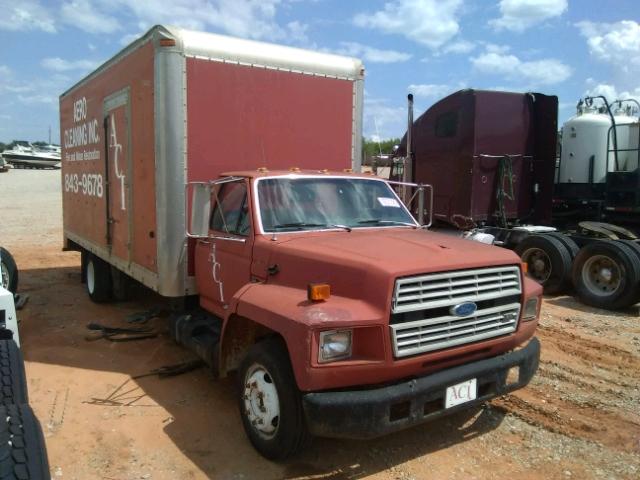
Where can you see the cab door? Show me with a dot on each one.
(223, 261)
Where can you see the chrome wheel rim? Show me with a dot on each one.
(91, 277)
(4, 271)
(261, 402)
(602, 275)
(538, 262)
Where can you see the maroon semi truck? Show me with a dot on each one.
(221, 169)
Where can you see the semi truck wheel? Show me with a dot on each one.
(269, 401)
(548, 261)
(98, 279)
(23, 454)
(571, 246)
(606, 274)
(9, 271)
(13, 389)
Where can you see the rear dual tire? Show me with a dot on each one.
(548, 259)
(97, 275)
(104, 282)
(606, 274)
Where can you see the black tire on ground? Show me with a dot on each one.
(120, 285)
(23, 455)
(635, 246)
(548, 261)
(606, 274)
(266, 369)
(9, 271)
(13, 390)
(98, 279)
(567, 241)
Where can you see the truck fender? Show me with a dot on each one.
(257, 312)
(263, 309)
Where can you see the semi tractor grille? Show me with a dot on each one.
(421, 308)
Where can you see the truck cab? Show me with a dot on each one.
(342, 316)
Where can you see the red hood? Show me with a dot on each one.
(365, 263)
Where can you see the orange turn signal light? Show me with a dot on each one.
(525, 267)
(318, 291)
(167, 42)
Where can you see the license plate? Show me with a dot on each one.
(461, 393)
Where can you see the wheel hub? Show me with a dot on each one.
(602, 275)
(261, 403)
(539, 263)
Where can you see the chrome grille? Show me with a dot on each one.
(448, 288)
(436, 329)
(442, 332)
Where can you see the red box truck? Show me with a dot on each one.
(210, 166)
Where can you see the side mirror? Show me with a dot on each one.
(198, 222)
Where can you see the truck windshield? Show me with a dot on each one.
(311, 203)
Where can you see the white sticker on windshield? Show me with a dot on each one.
(388, 202)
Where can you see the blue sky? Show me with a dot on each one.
(428, 47)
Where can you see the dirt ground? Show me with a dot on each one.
(579, 418)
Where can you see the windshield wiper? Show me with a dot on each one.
(378, 221)
(301, 225)
(298, 225)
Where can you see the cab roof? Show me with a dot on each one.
(262, 173)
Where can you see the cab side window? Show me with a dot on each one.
(231, 211)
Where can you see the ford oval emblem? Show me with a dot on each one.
(463, 309)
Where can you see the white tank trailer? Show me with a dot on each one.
(598, 174)
(588, 150)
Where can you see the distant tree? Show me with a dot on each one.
(371, 147)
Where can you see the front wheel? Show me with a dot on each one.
(9, 271)
(269, 401)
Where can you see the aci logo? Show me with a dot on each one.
(463, 309)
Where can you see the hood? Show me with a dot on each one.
(365, 263)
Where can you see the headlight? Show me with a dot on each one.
(334, 345)
(530, 308)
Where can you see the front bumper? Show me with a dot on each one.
(361, 414)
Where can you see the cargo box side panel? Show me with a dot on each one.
(108, 171)
(243, 117)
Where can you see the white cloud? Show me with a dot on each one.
(370, 54)
(428, 22)
(460, 46)
(383, 120)
(496, 61)
(88, 16)
(431, 90)
(297, 32)
(519, 15)
(248, 18)
(617, 43)
(61, 65)
(25, 15)
(610, 92)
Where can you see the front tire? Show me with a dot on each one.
(97, 276)
(9, 271)
(269, 401)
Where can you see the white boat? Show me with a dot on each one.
(30, 156)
